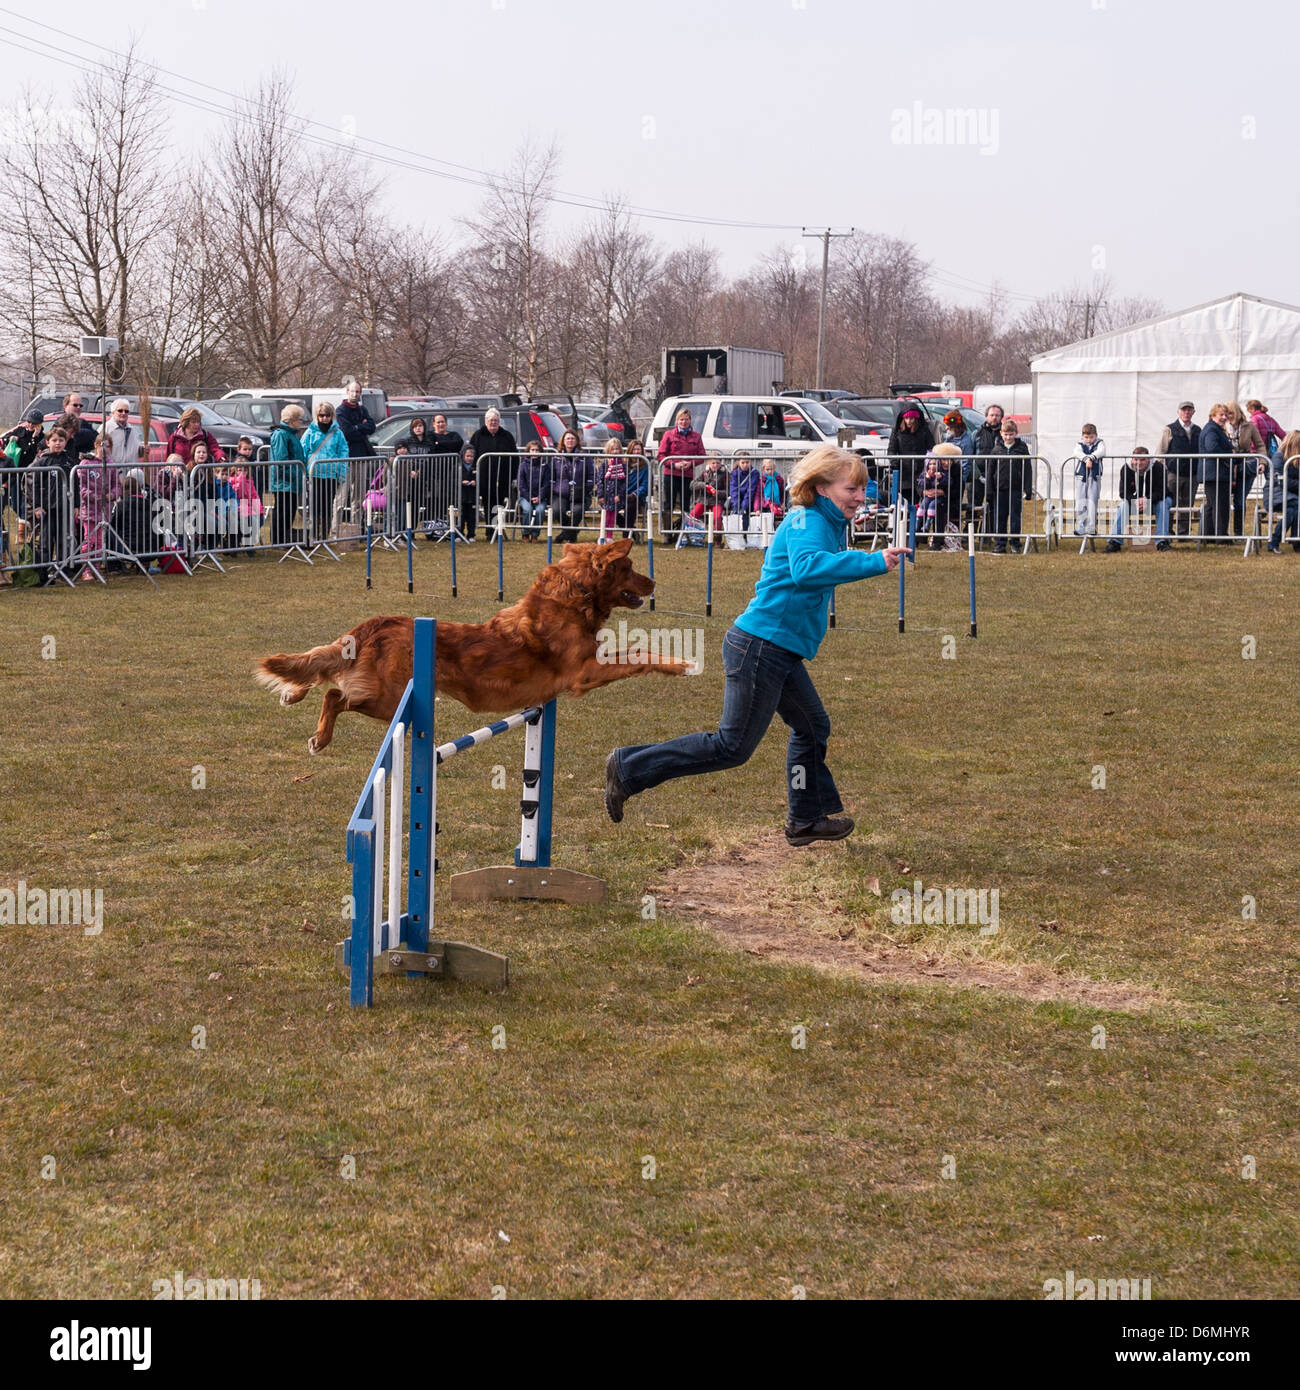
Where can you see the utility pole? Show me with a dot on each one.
(1091, 308)
(825, 238)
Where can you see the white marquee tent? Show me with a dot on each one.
(1129, 383)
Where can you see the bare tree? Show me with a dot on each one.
(618, 265)
(430, 326)
(272, 291)
(512, 270)
(85, 190)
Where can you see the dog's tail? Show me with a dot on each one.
(291, 676)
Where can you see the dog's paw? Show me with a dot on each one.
(311, 745)
(286, 697)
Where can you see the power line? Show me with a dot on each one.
(400, 157)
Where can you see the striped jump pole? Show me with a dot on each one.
(550, 531)
(369, 524)
(451, 537)
(386, 940)
(900, 538)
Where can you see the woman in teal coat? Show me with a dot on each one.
(287, 460)
(326, 449)
(764, 652)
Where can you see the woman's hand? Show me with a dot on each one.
(893, 556)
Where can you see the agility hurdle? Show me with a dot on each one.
(384, 938)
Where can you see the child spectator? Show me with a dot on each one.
(708, 491)
(133, 513)
(468, 492)
(742, 490)
(1144, 487)
(245, 491)
(573, 479)
(534, 483)
(771, 492)
(638, 479)
(1088, 453)
(98, 488)
(611, 489)
(1009, 483)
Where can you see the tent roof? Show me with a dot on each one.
(1235, 333)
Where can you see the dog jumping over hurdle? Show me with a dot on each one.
(543, 646)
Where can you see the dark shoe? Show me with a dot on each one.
(1162, 545)
(1113, 546)
(828, 828)
(615, 793)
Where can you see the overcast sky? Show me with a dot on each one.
(1154, 138)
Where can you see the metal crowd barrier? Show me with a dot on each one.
(36, 515)
(1235, 504)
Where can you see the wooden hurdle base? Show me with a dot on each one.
(445, 960)
(519, 881)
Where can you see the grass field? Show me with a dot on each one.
(952, 1129)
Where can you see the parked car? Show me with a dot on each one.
(822, 394)
(400, 403)
(472, 402)
(309, 397)
(525, 422)
(754, 425)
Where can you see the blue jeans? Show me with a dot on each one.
(762, 680)
(1123, 510)
(1289, 517)
(531, 515)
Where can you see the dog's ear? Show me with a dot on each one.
(616, 550)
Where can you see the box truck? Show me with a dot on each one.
(720, 371)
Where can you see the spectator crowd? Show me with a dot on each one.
(78, 496)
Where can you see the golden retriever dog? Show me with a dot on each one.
(543, 646)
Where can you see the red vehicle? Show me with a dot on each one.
(158, 432)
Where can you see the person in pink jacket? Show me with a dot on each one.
(680, 449)
(250, 502)
(99, 487)
(1268, 427)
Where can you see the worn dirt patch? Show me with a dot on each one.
(738, 897)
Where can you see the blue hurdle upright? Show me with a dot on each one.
(387, 940)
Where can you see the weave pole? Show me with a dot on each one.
(501, 540)
(971, 537)
(550, 531)
(650, 548)
(708, 572)
(410, 553)
(451, 537)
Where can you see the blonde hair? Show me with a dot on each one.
(325, 409)
(291, 415)
(1291, 446)
(1214, 410)
(613, 446)
(1236, 414)
(825, 464)
(189, 417)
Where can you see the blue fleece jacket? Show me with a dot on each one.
(804, 563)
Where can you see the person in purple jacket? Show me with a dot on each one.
(573, 478)
(534, 481)
(742, 491)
